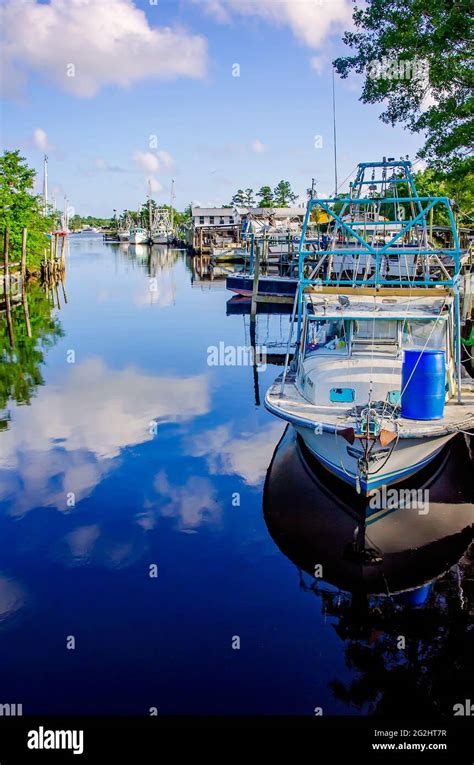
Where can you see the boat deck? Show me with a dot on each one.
(293, 407)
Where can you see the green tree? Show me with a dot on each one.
(249, 198)
(265, 196)
(283, 195)
(20, 208)
(416, 57)
(238, 200)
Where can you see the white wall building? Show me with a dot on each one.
(214, 216)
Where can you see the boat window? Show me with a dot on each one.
(415, 334)
(378, 329)
(326, 337)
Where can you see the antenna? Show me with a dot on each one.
(334, 131)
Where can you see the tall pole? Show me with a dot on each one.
(172, 200)
(150, 224)
(45, 184)
(334, 131)
(65, 214)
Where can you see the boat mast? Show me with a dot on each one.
(65, 214)
(149, 208)
(45, 185)
(172, 200)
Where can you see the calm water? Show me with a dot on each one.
(121, 449)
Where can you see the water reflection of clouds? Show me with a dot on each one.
(12, 597)
(70, 436)
(113, 544)
(162, 294)
(192, 503)
(247, 455)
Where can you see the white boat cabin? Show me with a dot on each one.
(352, 348)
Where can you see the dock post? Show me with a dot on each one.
(23, 255)
(6, 287)
(24, 296)
(253, 322)
(256, 274)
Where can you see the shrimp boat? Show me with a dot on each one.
(376, 386)
(139, 235)
(161, 226)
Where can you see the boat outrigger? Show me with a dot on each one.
(376, 386)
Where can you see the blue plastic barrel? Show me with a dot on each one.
(423, 383)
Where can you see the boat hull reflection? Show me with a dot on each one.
(321, 525)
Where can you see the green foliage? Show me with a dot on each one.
(437, 34)
(265, 196)
(283, 195)
(238, 200)
(79, 221)
(20, 208)
(20, 366)
(249, 198)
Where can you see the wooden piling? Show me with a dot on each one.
(24, 295)
(6, 287)
(256, 275)
(24, 234)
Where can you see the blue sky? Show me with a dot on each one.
(144, 103)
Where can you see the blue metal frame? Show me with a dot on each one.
(389, 248)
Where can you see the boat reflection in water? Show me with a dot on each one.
(399, 588)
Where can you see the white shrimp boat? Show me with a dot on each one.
(161, 226)
(376, 386)
(139, 235)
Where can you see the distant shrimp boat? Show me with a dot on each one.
(161, 225)
(139, 235)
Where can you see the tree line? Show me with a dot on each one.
(20, 208)
(281, 196)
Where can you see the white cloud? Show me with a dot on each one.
(167, 161)
(311, 21)
(40, 139)
(257, 146)
(147, 160)
(84, 45)
(92, 414)
(317, 63)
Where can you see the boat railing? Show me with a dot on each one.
(350, 251)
